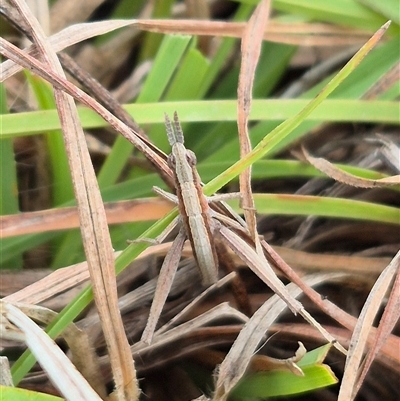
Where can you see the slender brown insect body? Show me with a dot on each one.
(199, 226)
(193, 205)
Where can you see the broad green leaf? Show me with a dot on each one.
(278, 383)
(20, 394)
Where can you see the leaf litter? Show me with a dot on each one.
(232, 370)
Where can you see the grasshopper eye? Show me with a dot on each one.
(191, 157)
(171, 162)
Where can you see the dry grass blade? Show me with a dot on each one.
(94, 229)
(308, 244)
(325, 305)
(390, 150)
(155, 157)
(264, 363)
(57, 282)
(251, 49)
(61, 280)
(164, 284)
(384, 83)
(260, 266)
(67, 217)
(296, 34)
(362, 330)
(84, 356)
(98, 91)
(58, 367)
(236, 362)
(65, 38)
(5, 373)
(186, 310)
(160, 339)
(311, 261)
(387, 323)
(339, 175)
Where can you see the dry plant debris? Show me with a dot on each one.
(237, 327)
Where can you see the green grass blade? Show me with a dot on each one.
(62, 190)
(8, 188)
(8, 172)
(390, 9)
(284, 129)
(225, 48)
(267, 169)
(165, 63)
(194, 65)
(340, 12)
(285, 204)
(23, 365)
(192, 69)
(168, 58)
(140, 187)
(372, 68)
(331, 110)
(152, 41)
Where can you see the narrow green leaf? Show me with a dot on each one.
(285, 204)
(284, 129)
(390, 9)
(227, 45)
(152, 41)
(23, 365)
(8, 188)
(62, 190)
(192, 69)
(165, 63)
(8, 172)
(341, 12)
(372, 68)
(331, 110)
